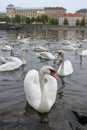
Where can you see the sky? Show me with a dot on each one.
(70, 5)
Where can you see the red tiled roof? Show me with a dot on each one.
(72, 15)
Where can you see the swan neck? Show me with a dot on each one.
(41, 80)
(44, 100)
(62, 58)
(22, 58)
(62, 64)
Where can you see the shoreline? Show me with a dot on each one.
(40, 27)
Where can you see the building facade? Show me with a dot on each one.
(52, 12)
(2, 16)
(84, 12)
(72, 18)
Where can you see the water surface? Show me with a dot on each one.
(73, 93)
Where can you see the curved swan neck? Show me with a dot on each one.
(62, 58)
(81, 50)
(22, 58)
(41, 79)
(62, 64)
(44, 100)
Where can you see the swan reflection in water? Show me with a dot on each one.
(62, 85)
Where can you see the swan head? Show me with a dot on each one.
(23, 50)
(48, 70)
(12, 44)
(61, 53)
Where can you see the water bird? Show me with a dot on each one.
(65, 67)
(41, 88)
(6, 47)
(12, 63)
(47, 55)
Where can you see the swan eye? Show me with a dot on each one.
(53, 73)
(60, 53)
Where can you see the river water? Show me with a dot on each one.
(15, 113)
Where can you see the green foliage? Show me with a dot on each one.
(53, 21)
(7, 19)
(83, 22)
(65, 22)
(27, 20)
(44, 18)
(32, 19)
(39, 19)
(17, 19)
(77, 22)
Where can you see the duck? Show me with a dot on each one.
(6, 47)
(65, 68)
(12, 63)
(41, 88)
(47, 55)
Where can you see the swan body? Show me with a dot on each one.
(83, 53)
(41, 88)
(65, 67)
(66, 42)
(69, 47)
(23, 40)
(5, 47)
(47, 55)
(40, 48)
(12, 63)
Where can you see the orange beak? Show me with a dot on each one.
(54, 75)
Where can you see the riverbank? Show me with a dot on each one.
(40, 27)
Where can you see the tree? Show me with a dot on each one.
(53, 21)
(83, 22)
(77, 22)
(7, 19)
(32, 19)
(44, 18)
(17, 19)
(65, 22)
(38, 19)
(27, 20)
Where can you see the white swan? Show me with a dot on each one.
(5, 47)
(41, 88)
(83, 53)
(40, 48)
(47, 55)
(69, 47)
(23, 40)
(12, 63)
(65, 67)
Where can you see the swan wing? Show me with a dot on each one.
(84, 53)
(12, 63)
(6, 47)
(8, 66)
(6, 59)
(47, 55)
(32, 88)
